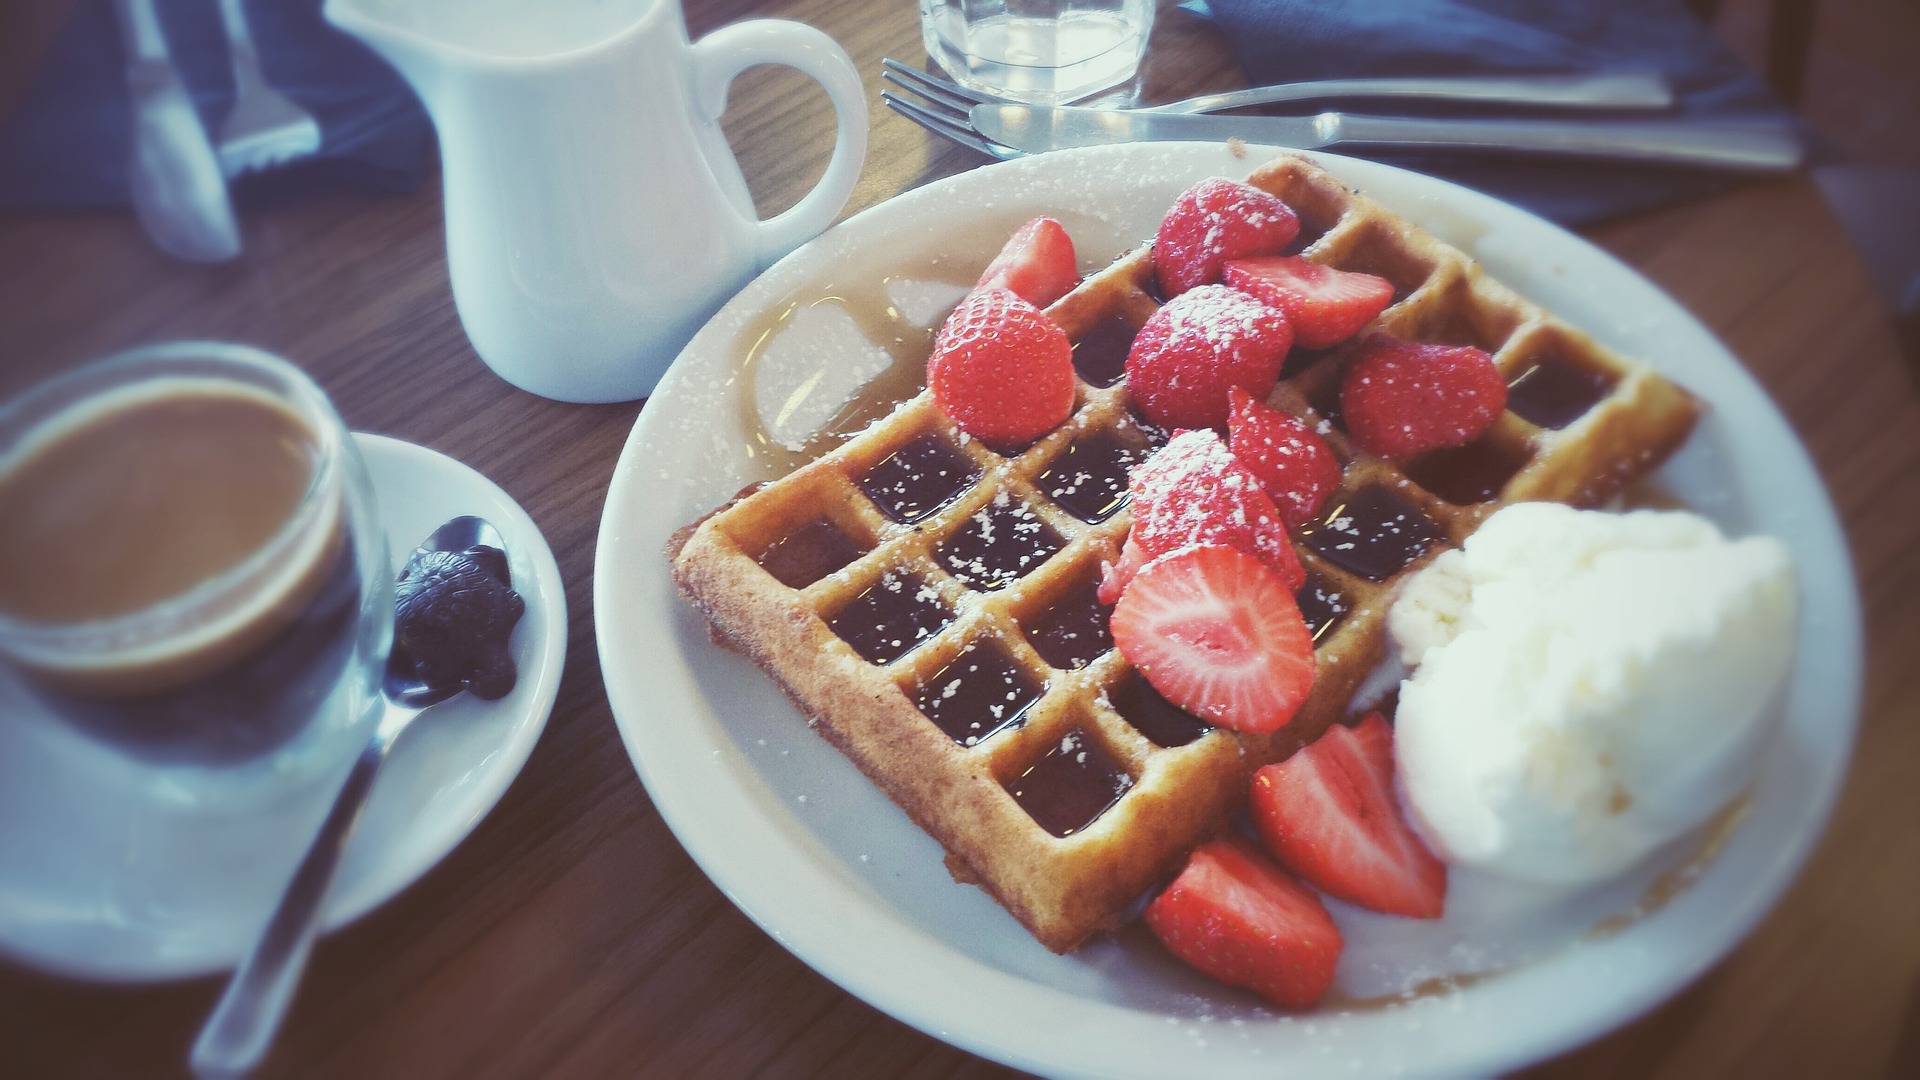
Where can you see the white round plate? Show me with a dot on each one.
(98, 880)
(815, 854)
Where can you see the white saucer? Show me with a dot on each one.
(100, 882)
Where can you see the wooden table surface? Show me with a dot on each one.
(571, 935)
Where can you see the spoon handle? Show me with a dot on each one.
(237, 1035)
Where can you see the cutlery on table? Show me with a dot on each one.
(173, 176)
(1005, 130)
(457, 591)
(1610, 90)
(1763, 146)
(264, 128)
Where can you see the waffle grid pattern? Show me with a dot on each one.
(1102, 811)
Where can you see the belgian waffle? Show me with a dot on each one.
(929, 603)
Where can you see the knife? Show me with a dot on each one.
(173, 173)
(1763, 146)
(1601, 90)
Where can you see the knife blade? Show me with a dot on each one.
(1599, 90)
(1763, 146)
(173, 174)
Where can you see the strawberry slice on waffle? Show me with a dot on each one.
(1037, 264)
(1194, 491)
(1212, 222)
(1326, 306)
(1217, 632)
(1002, 370)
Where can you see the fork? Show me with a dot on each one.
(950, 105)
(264, 128)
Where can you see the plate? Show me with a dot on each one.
(808, 848)
(101, 880)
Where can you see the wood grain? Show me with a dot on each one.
(570, 935)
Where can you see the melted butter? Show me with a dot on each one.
(882, 325)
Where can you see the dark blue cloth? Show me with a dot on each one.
(66, 145)
(1297, 40)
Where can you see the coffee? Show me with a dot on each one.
(164, 493)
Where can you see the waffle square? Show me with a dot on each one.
(929, 603)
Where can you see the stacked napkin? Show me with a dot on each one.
(65, 146)
(1298, 40)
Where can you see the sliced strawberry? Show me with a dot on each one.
(1200, 343)
(1235, 916)
(1037, 264)
(1217, 632)
(1193, 491)
(1212, 222)
(1401, 399)
(1326, 306)
(1295, 466)
(1114, 576)
(1001, 369)
(1328, 813)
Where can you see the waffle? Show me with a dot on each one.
(929, 604)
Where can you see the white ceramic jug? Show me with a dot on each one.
(595, 214)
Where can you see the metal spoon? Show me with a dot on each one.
(467, 557)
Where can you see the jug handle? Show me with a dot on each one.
(723, 54)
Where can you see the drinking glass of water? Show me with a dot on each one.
(1041, 51)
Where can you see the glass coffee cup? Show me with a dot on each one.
(192, 579)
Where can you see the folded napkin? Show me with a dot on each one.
(65, 147)
(1298, 40)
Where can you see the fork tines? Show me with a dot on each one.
(942, 107)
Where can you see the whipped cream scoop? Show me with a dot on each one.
(1585, 686)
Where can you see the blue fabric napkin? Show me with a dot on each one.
(1297, 40)
(65, 147)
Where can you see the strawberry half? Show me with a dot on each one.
(1217, 632)
(1235, 916)
(1326, 306)
(1400, 399)
(1328, 813)
(1115, 576)
(1214, 221)
(1296, 467)
(1037, 264)
(1200, 343)
(1193, 491)
(1002, 370)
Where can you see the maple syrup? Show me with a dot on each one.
(978, 695)
(891, 618)
(1071, 785)
(1073, 631)
(998, 546)
(1375, 533)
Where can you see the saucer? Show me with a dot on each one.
(98, 880)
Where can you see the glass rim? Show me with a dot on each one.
(46, 402)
